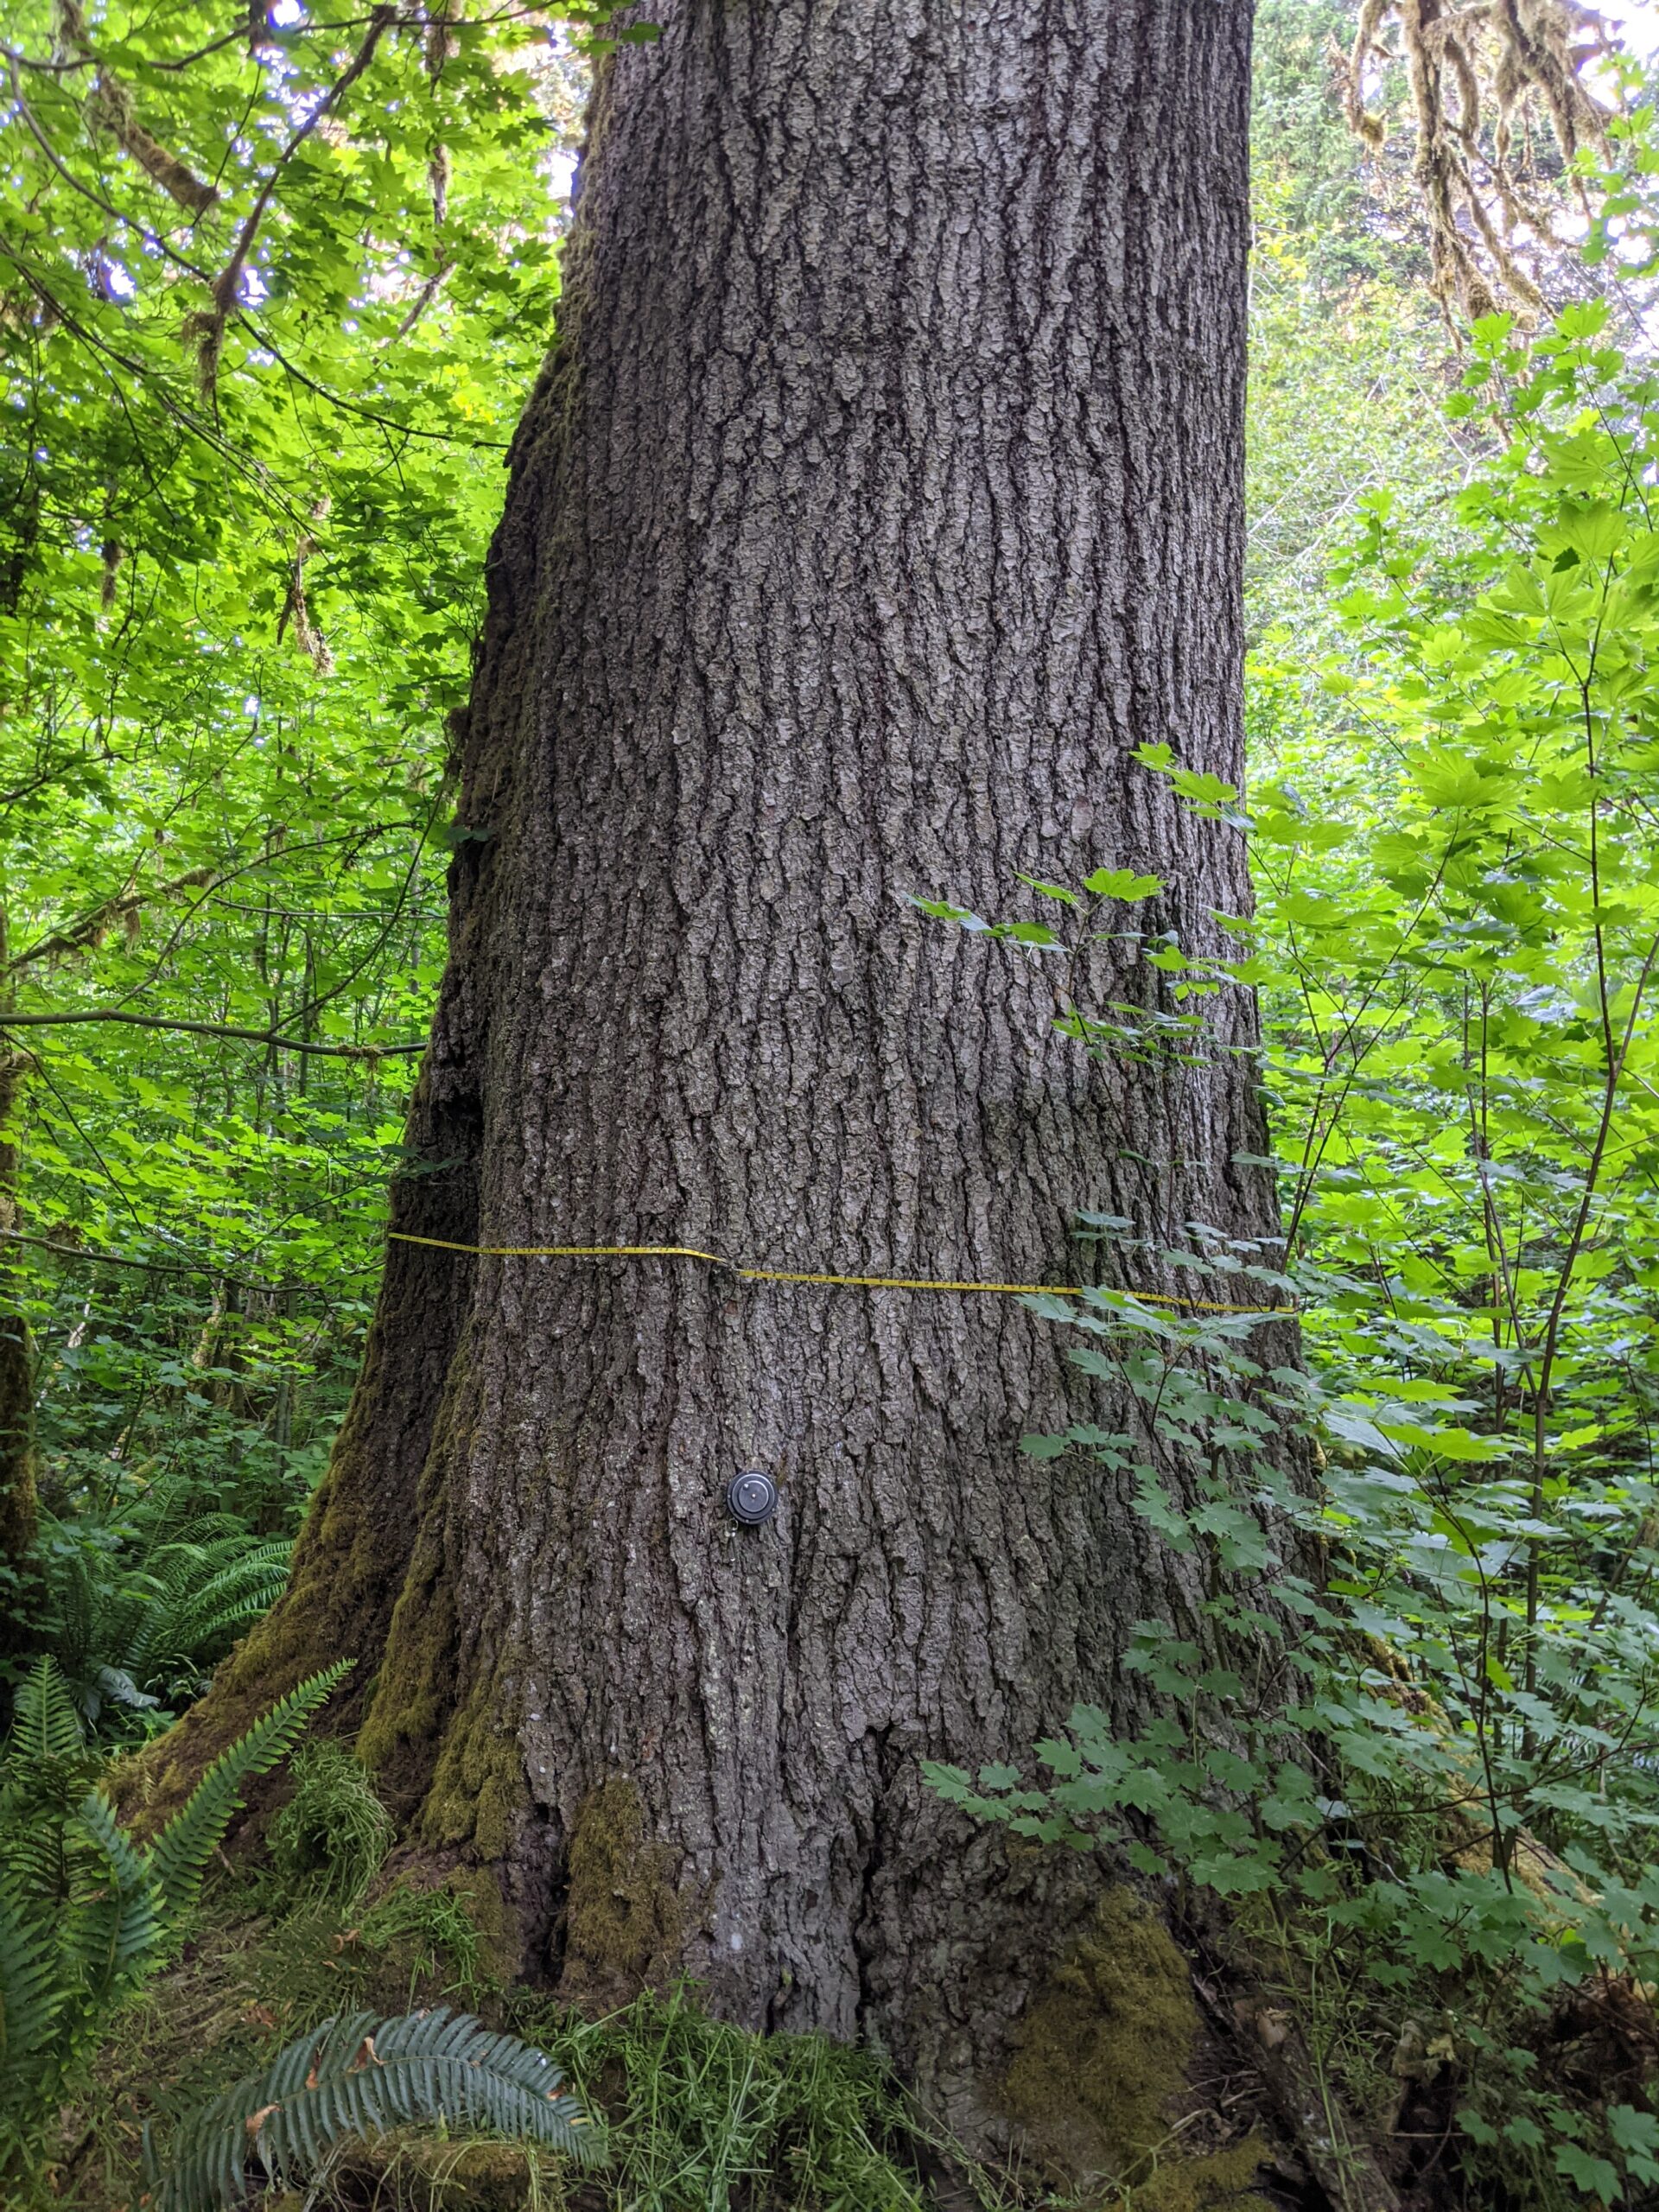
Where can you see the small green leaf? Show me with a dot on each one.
(1121, 883)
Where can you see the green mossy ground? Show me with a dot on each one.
(698, 2114)
(700, 2117)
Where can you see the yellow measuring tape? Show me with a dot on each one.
(790, 1275)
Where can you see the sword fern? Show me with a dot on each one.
(358, 2075)
(86, 1913)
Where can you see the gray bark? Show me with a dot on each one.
(882, 493)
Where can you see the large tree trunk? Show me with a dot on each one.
(882, 493)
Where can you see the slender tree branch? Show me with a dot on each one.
(266, 344)
(92, 1255)
(267, 1037)
(210, 329)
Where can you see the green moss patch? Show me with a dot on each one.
(478, 1786)
(623, 1917)
(1100, 2072)
(1218, 2181)
(411, 2172)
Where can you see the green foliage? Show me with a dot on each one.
(333, 1834)
(1348, 356)
(178, 1858)
(87, 1914)
(46, 1728)
(270, 301)
(704, 2117)
(696, 2114)
(358, 2075)
(1430, 1774)
(137, 1609)
(432, 1933)
(1307, 167)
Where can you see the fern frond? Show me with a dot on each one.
(256, 1562)
(178, 1569)
(178, 1858)
(37, 1831)
(45, 1725)
(203, 1612)
(31, 1995)
(94, 1896)
(356, 2075)
(76, 1604)
(157, 1517)
(129, 1931)
(204, 1593)
(201, 1529)
(84, 1914)
(122, 1609)
(33, 1859)
(108, 1942)
(116, 1686)
(116, 1848)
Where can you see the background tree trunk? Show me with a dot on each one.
(882, 493)
(19, 1505)
(19, 1498)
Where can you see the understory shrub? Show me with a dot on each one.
(1426, 1781)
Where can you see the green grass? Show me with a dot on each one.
(333, 1834)
(703, 2115)
(699, 2116)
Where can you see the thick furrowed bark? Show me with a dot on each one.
(882, 495)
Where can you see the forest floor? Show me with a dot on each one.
(698, 2116)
